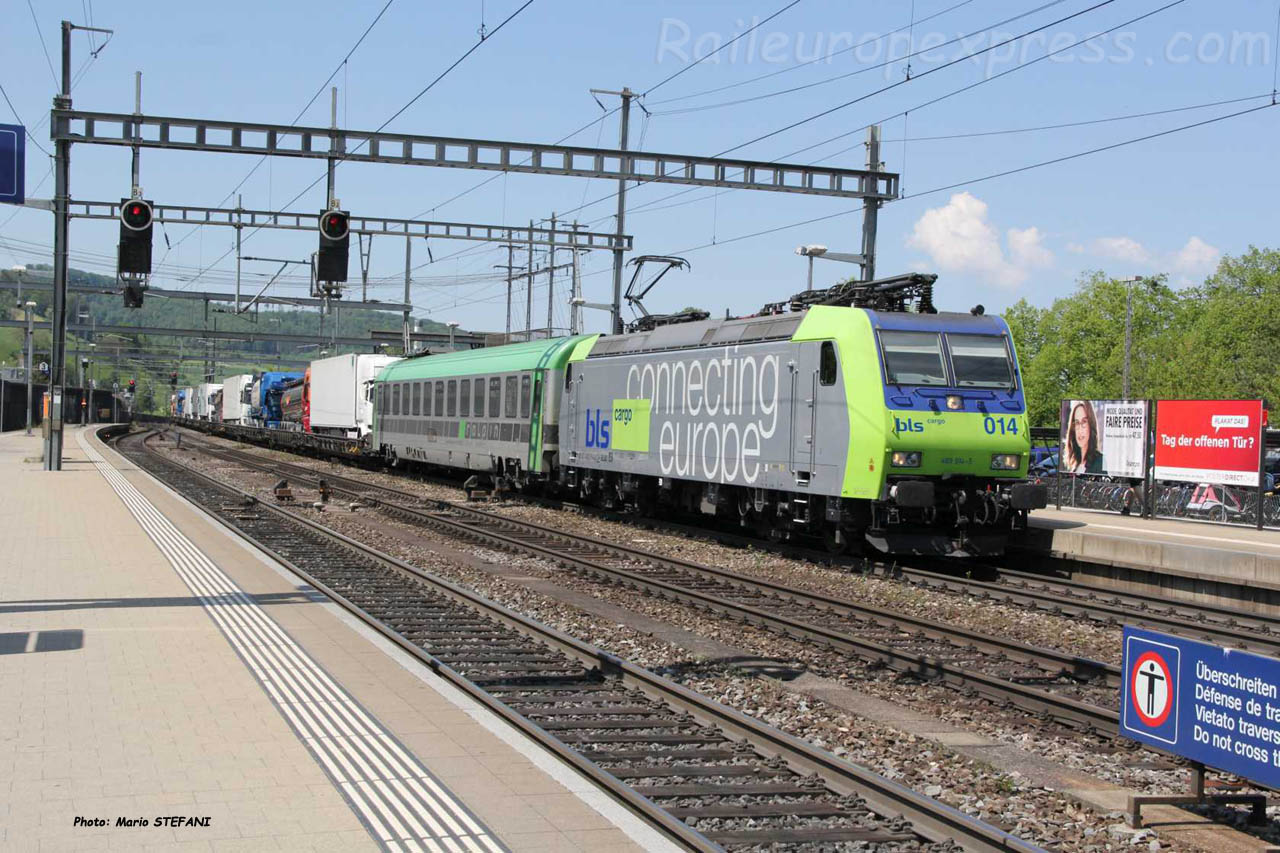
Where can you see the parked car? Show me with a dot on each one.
(1044, 462)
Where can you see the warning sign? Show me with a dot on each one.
(1217, 706)
(1151, 683)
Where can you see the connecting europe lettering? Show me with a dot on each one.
(1217, 706)
(710, 414)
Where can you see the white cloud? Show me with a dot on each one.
(959, 238)
(1121, 249)
(1026, 248)
(1196, 257)
(1076, 249)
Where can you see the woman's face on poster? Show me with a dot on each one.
(1080, 426)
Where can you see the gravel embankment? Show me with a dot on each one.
(1008, 800)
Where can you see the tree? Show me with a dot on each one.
(1075, 348)
(1232, 344)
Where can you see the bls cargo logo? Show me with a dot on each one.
(624, 427)
(597, 429)
(1151, 689)
(907, 425)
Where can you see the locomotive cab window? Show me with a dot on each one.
(479, 395)
(980, 361)
(464, 399)
(828, 366)
(912, 358)
(525, 384)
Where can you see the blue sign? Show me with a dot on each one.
(1217, 706)
(13, 163)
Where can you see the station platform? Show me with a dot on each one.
(1202, 558)
(168, 687)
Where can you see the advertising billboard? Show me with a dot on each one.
(1209, 441)
(1104, 437)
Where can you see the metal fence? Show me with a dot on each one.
(1199, 501)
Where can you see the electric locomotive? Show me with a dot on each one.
(848, 418)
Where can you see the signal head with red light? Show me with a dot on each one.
(136, 214)
(335, 224)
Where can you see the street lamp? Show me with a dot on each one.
(811, 252)
(18, 270)
(1128, 328)
(30, 306)
(93, 358)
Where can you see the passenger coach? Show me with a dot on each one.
(494, 410)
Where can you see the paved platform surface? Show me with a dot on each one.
(1242, 555)
(199, 681)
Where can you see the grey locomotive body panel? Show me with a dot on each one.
(752, 415)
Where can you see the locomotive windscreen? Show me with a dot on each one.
(980, 361)
(913, 358)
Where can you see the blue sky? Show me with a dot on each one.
(1172, 204)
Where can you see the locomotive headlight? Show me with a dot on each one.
(905, 459)
(1005, 461)
(955, 402)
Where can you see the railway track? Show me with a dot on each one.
(1078, 692)
(707, 776)
(1052, 595)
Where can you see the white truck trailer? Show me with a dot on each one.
(203, 409)
(235, 398)
(341, 401)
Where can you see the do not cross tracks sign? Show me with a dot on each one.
(1217, 706)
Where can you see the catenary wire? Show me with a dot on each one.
(799, 123)
(14, 110)
(342, 64)
(809, 62)
(890, 61)
(608, 112)
(992, 176)
(40, 37)
(995, 175)
(397, 113)
(647, 206)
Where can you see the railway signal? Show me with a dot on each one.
(133, 385)
(134, 251)
(133, 292)
(335, 240)
(173, 379)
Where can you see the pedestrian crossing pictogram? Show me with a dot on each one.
(1151, 690)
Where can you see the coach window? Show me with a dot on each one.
(464, 399)
(417, 399)
(395, 399)
(479, 383)
(451, 397)
(439, 409)
(509, 404)
(828, 368)
(426, 399)
(495, 397)
(525, 383)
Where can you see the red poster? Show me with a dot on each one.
(1208, 441)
